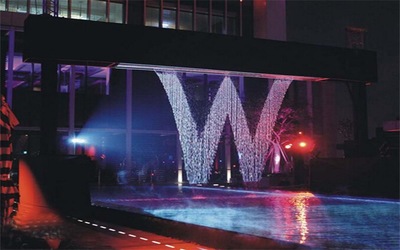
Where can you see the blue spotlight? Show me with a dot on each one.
(78, 140)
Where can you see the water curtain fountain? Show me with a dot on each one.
(199, 147)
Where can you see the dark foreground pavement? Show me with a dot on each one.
(114, 229)
(82, 234)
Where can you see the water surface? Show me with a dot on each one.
(314, 220)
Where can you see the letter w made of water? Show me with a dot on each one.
(199, 148)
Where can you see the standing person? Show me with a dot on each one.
(9, 191)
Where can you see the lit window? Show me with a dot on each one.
(116, 13)
(152, 16)
(36, 7)
(98, 11)
(186, 21)
(18, 6)
(79, 10)
(63, 8)
(3, 5)
(169, 19)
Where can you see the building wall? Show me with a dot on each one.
(270, 19)
(325, 22)
(278, 20)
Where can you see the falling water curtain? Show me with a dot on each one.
(9, 191)
(199, 148)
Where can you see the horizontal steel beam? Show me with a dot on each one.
(70, 41)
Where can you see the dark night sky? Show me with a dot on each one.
(324, 21)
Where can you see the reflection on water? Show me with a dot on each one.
(291, 216)
(299, 201)
(301, 217)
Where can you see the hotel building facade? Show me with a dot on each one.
(94, 99)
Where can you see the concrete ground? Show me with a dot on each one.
(96, 235)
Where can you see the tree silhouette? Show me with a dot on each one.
(291, 119)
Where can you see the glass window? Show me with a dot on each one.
(36, 7)
(18, 6)
(3, 5)
(98, 11)
(186, 15)
(116, 13)
(79, 9)
(36, 76)
(63, 78)
(88, 79)
(63, 8)
(25, 75)
(169, 19)
(232, 26)
(152, 16)
(186, 22)
(218, 24)
(97, 80)
(202, 22)
(81, 79)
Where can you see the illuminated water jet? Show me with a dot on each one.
(199, 147)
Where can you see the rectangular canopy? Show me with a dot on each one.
(70, 41)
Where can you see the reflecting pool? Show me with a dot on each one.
(314, 220)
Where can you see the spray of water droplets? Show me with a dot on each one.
(199, 148)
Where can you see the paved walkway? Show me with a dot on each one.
(100, 235)
(79, 234)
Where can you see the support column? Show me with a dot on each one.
(329, 123)
(71, 111)
(108, 71)
(49, 110)
(360, 113)
(225, 30)
(210, 10)
(310, 108)
(128, 149)
(228, 160)
(108, 8)
(194, 18)
(161, 14)
(355, 38)
(10, 65)
(3, 56)
(241, 88)
(179, 161)
(177, 14)
(240, 19)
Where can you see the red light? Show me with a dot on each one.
(302, 144)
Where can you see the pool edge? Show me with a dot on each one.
(211, 237)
